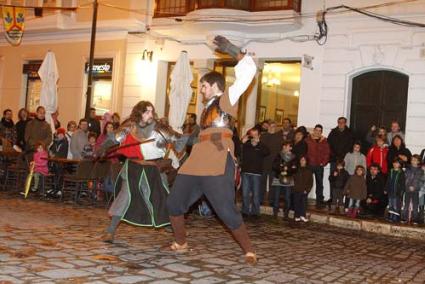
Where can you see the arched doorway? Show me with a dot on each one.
(378, 98)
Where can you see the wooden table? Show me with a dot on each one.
(10, 154)
(62, 160)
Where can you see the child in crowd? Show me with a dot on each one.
(414, 175)
(338, 179)
(398, 150)
(376, 200)
(40, 164)
(395, 188)
(378, 155)
(356, 190)
(303, 182)
(59, 149)
(422, 193)
(89, 149)
(284, 167)
(354, 158)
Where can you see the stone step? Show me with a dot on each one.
(370, 226)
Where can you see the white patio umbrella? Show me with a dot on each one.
(49, 76)
(180, 92)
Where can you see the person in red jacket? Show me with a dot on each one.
(378, 155)
(318, 156)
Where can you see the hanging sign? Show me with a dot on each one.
(13, 20)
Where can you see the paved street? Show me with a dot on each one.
(43, 242)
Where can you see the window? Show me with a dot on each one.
(279, 92)
(33, 90)
(169, 8)
(102, 84)
(166, 8)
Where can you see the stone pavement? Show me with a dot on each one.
(43, 242)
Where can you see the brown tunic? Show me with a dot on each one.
(205, 159)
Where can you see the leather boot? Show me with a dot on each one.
(177, 222)
(354, 213)
(241, 236)
(350, 212)
(275, 213)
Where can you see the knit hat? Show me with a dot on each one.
(60, 131)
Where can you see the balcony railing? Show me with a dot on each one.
(172, 8)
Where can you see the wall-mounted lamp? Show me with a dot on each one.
(147, 55)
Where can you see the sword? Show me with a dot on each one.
(119, 147)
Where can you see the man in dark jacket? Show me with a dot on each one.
(253, 153)
(340, 141)
(273, 140)
(38, 130)
(318, 157)
(94, 123)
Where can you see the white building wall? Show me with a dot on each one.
(356, 44)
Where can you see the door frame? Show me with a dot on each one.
(354, 73)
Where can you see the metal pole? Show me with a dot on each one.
(91, 60)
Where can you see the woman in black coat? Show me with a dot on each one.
(398, 150)
(20, 127)
(300, 146)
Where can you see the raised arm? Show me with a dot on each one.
(244, 71)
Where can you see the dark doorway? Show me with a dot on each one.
(378, 98)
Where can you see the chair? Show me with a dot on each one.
(102, 170)
(78, 182)
(15, 172)
(46, 181)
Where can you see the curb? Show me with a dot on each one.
(369, 226)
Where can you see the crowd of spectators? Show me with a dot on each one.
(363, 180)
(275, 161)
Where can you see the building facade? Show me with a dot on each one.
(368, 70)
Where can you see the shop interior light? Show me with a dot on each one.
(147, 55)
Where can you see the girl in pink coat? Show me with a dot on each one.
(40, 164)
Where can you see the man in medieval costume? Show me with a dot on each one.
(142, 183)
(210, 168)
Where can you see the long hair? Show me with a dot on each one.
(20, 113)
(402, 145)
(106, 125)
(139, 109)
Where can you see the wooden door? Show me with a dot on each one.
(378, 98)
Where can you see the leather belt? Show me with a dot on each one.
(214, 136)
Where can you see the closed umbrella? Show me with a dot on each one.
(49, 76)
(180, 92)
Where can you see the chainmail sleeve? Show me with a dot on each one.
(119, 136)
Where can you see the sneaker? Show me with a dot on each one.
(297, 219)
(34, 189)
(304, 219)
(22, 193)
